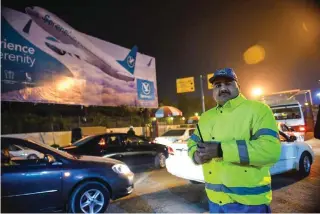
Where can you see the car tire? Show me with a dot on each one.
(305, 164)
(160, 161)
(32, 156)
(194, 182)
(80, 203)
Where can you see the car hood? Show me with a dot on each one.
(169, 139)
(94, 159)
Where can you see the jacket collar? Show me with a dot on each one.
(232, 104)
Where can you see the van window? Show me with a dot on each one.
(287, 113)
(177, 132)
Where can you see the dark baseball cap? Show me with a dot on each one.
(224, 72)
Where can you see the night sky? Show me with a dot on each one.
(189, 38)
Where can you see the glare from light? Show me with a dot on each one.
(318, 94)
(67, 174)
(65, 84)
(171, 118)
(183, 118)
(306, 104)
(196, 114)
(256, 92)
(254, 55)
(304, 26)
(154, 119)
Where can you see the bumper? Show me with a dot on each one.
(183, 167)
(122, 186)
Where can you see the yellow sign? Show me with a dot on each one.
(185, 85)
(209, 84)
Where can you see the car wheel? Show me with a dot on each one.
(305, 164)
(194, 182)
(32, 156)
(160, 161)
(89, 197)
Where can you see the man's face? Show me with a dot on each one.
(224, 89)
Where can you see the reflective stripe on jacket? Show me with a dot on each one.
(250, 143)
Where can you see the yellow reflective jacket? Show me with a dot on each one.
(250, 144)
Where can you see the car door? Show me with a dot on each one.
(29, 185)
(288, 156)
(114, 147)
(139, 151)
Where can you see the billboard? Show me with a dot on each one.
(45, 60)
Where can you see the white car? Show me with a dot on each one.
(294, 156)
(171, 136)
(19, 152)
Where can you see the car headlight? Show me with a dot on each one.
(121, 169)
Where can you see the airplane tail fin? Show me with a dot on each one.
(27, 27)
(130, 61)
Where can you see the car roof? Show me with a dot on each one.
(17, 138)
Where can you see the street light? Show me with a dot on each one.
(256, 92)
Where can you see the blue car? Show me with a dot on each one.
(58, 181)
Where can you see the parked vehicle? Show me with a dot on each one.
(174, 136)
(60, 181)
(294, 156)
(132, 150)
(293, 115)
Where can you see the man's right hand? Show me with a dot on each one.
(200, 158)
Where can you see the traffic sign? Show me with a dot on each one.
(210, 86)
(185, 85)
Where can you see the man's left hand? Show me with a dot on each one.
(212, 149)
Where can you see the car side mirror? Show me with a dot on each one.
(293, 138)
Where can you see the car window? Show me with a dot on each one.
(136, 140)
(14, 148)
(174, 132)
(113, 140)
(22, 157)
(286, 113)
(83, 140)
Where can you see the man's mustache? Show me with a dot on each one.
(224, 92)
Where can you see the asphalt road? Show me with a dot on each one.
(159, 191)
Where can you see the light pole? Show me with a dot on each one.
(202, 94)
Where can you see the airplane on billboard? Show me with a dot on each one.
(69, 37)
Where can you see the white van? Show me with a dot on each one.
(291, 114)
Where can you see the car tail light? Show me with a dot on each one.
(302, 129)
(298, 128)
(102, 142)
(170, 150)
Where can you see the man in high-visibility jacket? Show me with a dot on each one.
(240, 143)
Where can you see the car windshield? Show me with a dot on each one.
(174, 132)
(62, 153)
(286, 113)
(83, 140)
